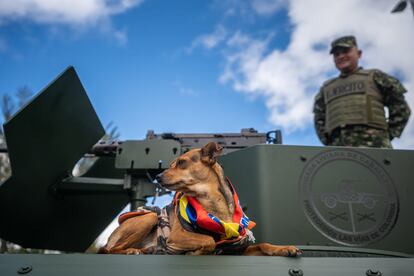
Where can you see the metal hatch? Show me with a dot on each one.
(45, 139)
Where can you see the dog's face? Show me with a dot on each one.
(194, 171)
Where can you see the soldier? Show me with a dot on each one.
(349, 109)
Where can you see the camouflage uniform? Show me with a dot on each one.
(359, 135)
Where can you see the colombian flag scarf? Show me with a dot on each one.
(193, 213)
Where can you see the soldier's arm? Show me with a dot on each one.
(319, 118)
(398, 109)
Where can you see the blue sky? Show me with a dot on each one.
(200, 66)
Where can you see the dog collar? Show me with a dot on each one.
(191, 211)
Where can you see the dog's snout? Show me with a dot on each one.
(158, 177)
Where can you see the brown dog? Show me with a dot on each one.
(204, 218)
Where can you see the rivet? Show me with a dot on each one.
(295, 272)
(371, 272)
(25, 269)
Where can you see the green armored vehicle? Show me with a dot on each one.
(348, 209)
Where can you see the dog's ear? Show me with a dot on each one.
(210, 152)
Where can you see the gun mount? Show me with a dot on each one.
(353, 203)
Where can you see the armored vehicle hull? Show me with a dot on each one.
(87, 264)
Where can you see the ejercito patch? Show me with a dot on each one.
(345, 89)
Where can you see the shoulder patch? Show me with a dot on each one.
(385, 82)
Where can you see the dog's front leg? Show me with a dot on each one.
(192, 243)
(129, 234)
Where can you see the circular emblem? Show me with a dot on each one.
(348, 197)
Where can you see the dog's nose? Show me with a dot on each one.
(158, 177)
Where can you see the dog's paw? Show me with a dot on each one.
(289, 251)
(277, 250)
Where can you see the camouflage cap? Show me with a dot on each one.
(345, 41)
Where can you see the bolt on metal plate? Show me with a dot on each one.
(295, 272)
(25, 269)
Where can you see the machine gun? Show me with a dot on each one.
(228, 141)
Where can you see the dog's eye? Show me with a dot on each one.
(181, 163)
